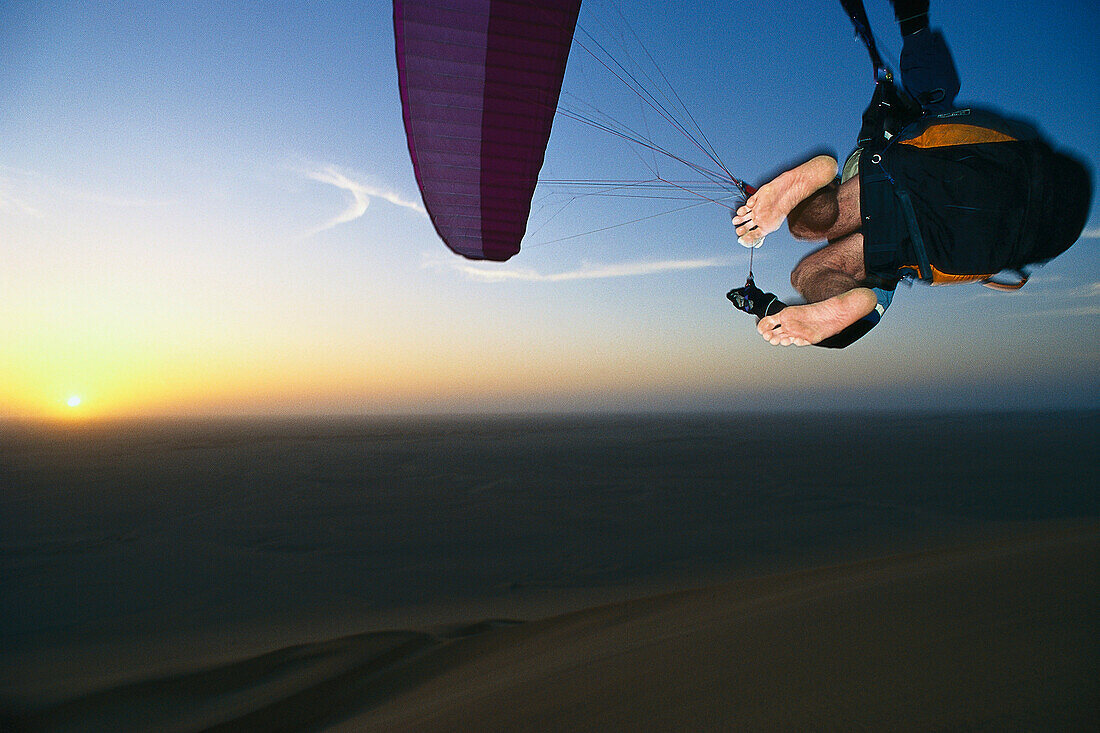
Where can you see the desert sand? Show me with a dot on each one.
(997, 636)
(993, 635)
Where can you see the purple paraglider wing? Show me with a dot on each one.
(480, 81)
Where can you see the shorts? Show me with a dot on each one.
(962, 210)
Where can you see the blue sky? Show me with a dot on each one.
(209, 208)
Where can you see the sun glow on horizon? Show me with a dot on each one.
(264, 261)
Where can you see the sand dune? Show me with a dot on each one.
(992, 636)
(999, 636)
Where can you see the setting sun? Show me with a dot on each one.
(73, 401)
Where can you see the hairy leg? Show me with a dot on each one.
(829, 279)
(766, 209)
(829, 213)
(835, 268)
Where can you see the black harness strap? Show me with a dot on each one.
(916, 241)
(858, 15)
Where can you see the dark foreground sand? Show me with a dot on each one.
(998, 636)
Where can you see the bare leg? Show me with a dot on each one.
(829, 279)
(835, 268)
(802, 325)
(829, 213)
(766, 209)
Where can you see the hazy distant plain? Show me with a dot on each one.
(126, 533)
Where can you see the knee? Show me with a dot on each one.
(801, 272)
(844, 257)
(811, 219)
(805, 272)
(801, 230)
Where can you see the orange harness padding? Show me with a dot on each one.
(957, 133)
(949, 200)
(946, 278)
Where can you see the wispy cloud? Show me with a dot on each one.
(120, 202)
(1091, 233)
(11, 199)
(361, 195)
(1088, 290)
(1073, 301)
(18, 187)
(10, 202)
(587, 271)
(1059, 287)
(1083, 310)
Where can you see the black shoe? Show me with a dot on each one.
(754, 301)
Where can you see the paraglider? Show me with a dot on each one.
(480, 84)
(932, 192)
(479, 90)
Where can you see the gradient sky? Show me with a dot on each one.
(208, 208)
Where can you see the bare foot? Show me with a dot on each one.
(802, 325)
(764, 211)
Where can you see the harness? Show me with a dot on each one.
(896, 117)
(956, 128)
